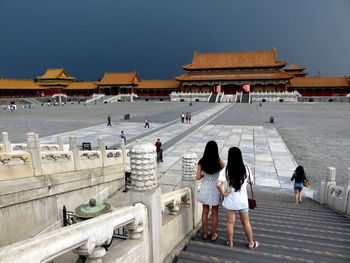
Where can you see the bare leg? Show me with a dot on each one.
(214, 221)
(247, 227)
(230, 226)
(300, 195)
(296, 191)
(205, 221)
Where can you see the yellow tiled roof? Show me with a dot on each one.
(294, 67)
(251, 59)
(320, 82)
(53, 83)
(19, 84)
(125, 78)
(81, 85)
(55, 73)
(158, 84)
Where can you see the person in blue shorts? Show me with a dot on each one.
(298, 177)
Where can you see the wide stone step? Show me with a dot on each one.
(286, 233)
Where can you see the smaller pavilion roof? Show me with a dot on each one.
(320, 82)
(158, 84)
(84, 85)
(23, 84)
(239, 75)
(250, 59)
(294, 67)
(55, 73)
(125, 78)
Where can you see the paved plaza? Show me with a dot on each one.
(313, 135)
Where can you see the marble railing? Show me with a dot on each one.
(86, 238)
(277, 96)
(333, 195)
(172, 200)
(189, 96)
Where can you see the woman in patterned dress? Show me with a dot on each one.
(209, 167)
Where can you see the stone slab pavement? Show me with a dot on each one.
(263, 149)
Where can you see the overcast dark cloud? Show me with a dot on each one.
(155, 38)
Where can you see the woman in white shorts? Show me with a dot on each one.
(235, 176)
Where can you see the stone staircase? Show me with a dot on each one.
(286, 233)
(212, 99)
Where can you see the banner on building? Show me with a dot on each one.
(246, 88)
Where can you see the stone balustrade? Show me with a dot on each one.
(173, 200)
(86, 238)
(189, 96)
(271, 96)
(333, 195)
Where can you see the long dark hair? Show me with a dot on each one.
(300, 174)
(210, 162)
(235, 169)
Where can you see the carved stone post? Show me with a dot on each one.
(34, 149)
(6, 142)
(102, 148)
(189, 169)
(59, 142)
(73, 147)
(146, 190)
(329, 181)
(123, 148)
(346, 194)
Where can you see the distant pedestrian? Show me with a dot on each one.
(186, 117)
(299, 178)
(122, 136)
(147, 123)
(159, 150)
(183, 117)
(109, 121)
(189, 117)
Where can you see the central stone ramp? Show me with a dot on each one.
(286, 233)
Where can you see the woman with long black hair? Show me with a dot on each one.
(298, 177)
(236, 175)
(208, 168)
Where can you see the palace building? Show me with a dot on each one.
(230, 72)
(225, 73)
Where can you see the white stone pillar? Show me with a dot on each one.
(34, 149)
(146, 191)
(6, 142)
(189, 170)
(73, 147)
(329, 181)
(102, 148)
(59, 142)
(346, 194)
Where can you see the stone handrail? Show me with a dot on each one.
(172, 200)
(85, 238)
(333, 195)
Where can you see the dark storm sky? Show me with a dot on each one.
(156, 37)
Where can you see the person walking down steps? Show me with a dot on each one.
(299, 178)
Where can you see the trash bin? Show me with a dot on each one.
(190, 103)
(272, 119)
(126, 116)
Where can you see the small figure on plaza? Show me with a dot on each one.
(159, 150)
(109, 121)
(146, 123)
(187, 117)
(183, 117)
(122, 136)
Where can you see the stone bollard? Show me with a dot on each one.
(102, 148)
(73, 147)
(34, 149)
(346, 196)
(6, 142)
(329, 181)
(189, 170)
(59, 142)
(146, 190)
